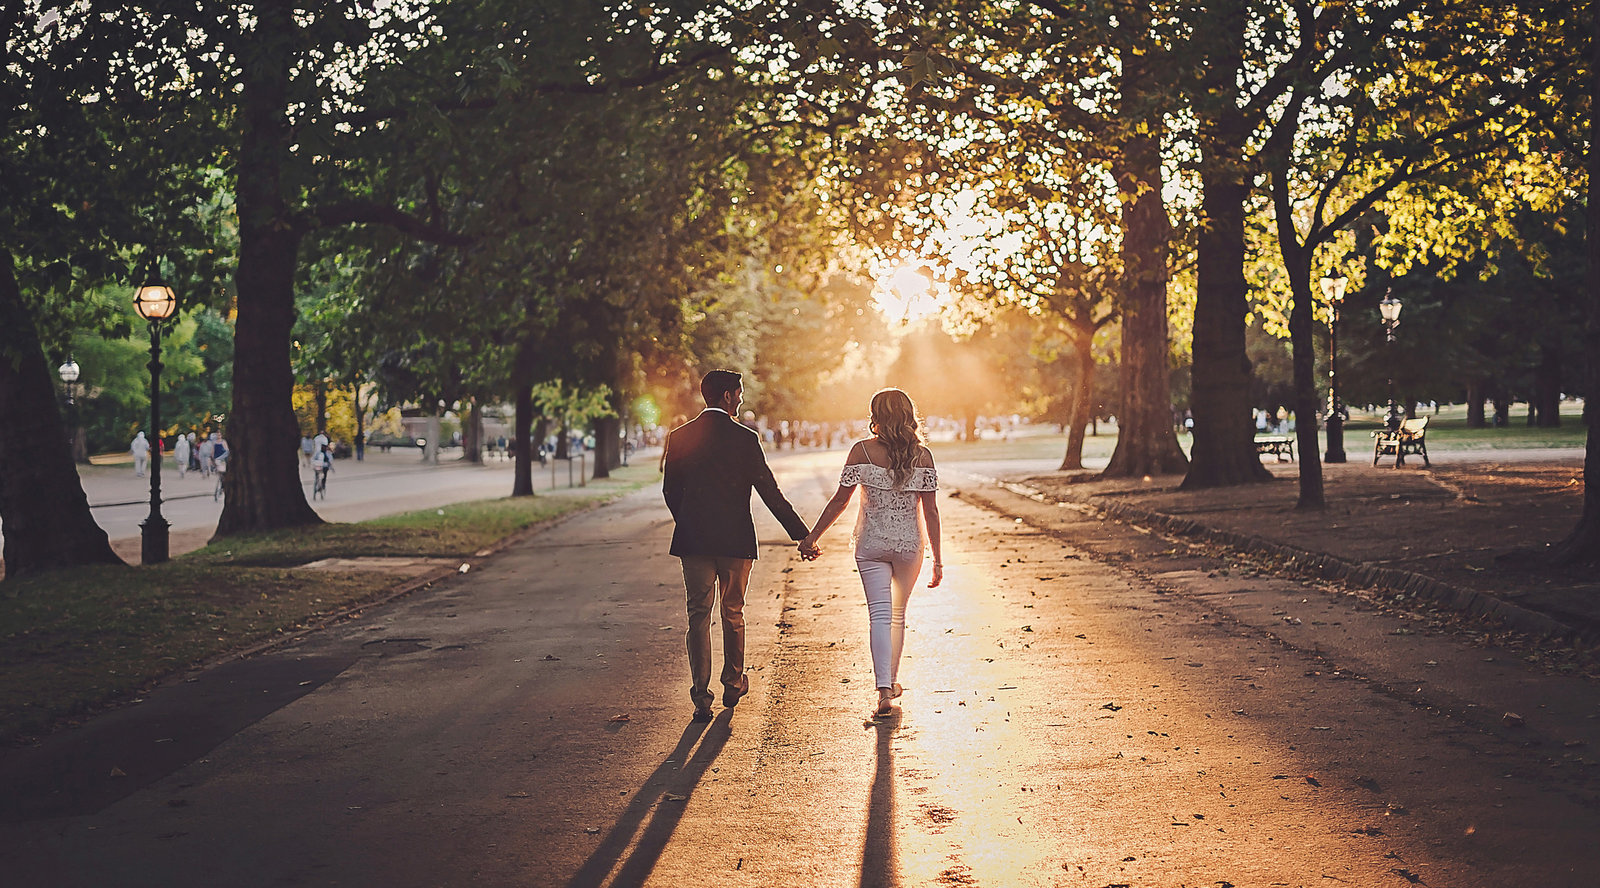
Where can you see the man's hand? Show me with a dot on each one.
(809, 550)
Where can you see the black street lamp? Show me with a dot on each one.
(1333, 290)
(69, 373)
(1390, 309)
(155, 302)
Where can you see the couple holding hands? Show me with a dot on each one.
(712, 464)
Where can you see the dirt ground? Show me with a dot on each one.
(1459, 524)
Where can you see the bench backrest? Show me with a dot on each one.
(1414, 426)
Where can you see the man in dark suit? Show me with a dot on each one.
(712, 464)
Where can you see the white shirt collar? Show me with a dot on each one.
(718, 409)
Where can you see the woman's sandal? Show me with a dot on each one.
(897, 691)
(884, 710)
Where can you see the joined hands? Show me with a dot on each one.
(809, 551)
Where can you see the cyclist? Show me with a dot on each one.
(321, 465)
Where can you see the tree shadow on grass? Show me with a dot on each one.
(631, 852)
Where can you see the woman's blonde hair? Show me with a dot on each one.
(894, 421)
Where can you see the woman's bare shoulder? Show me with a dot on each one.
(858, 453)
(924, 457)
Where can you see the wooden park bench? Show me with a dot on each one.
(1411, 437)
(1281, 445)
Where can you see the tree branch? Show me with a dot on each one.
(357, 212)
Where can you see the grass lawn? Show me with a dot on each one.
(76, 640)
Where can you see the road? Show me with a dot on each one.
(1086, 705)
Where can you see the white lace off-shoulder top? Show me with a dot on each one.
(889, 519)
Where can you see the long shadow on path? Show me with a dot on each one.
(658, 806)
(878, 868)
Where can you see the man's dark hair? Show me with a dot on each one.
(718, 383)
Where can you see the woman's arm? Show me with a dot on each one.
(830, 514)
(930, 515)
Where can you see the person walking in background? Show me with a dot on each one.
(140, 448)
(306, 450)
(204, 451)
(180, 453)
(898, 481)
(711, 465)
(321, 465)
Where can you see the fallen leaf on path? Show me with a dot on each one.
(674, 797)
(1312, 779)
(620, 717)
(518, 795)
(118, 772)
(551, 657)
(1512, 720)
(592, 830)
(1111, 706)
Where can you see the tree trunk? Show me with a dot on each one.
(1547, 386)
(472, 434)
(1223, 451)
(971, 422)
(1583, 544)
(42, 504)
(1146, 442)
(1475, 399)
(564, 441)
(522, 443)
(361, 422)
(607, 454)
(1082, 398)
(431, 445)
(1302, 342)
(320, 392)
(263, 481)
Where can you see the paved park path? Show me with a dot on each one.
(1086, 705)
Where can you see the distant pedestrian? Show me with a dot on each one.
(204, 451)
(306, 450)
(320, 441)
(219, 452)
(140, 448)
(180, 452)
(194, 453)
(361, 446)
(321, 465)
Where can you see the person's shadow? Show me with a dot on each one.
(878, 868)
(661, 800)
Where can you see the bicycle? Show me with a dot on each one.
(218, 470)
(319, 486)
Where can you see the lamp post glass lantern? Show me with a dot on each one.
(1333, 287)
(155, 302)
(69, 372)
(1389, 309)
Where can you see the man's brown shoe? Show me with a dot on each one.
(702, 713)
(731, 694)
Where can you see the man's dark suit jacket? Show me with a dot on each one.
(712, 465)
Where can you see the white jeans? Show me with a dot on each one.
(888, 578)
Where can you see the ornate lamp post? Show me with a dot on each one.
(1333, 290)
(69, 373)
(155, 302)
(1389, 308)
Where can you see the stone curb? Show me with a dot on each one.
(1401, 582)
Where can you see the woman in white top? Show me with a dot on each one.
(899, 515)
